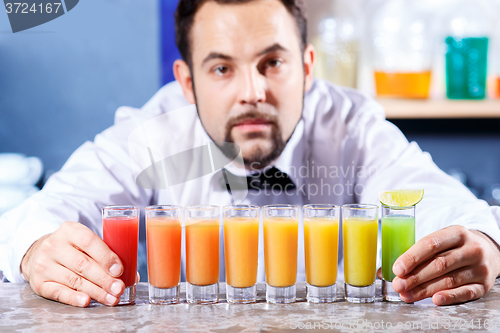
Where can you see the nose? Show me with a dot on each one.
(253, 89)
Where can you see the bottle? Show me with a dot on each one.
(498, 81)
(495, 195)
(336, 40)
(497, 55)
(401, 42)
(467, 37)
(497, 93)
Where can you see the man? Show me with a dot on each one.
(248, 68)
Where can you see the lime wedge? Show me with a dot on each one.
(401, 198)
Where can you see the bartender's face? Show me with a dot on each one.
(248, 75)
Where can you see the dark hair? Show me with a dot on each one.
(186, 10)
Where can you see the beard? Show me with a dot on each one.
(257, 158)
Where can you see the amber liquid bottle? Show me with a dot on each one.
(401, 44)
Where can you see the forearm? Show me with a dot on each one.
(23, 228)
(76, 193)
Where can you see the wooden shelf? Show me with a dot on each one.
(440, 109)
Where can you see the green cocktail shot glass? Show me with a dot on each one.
(398, 235)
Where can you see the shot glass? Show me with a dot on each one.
(281, 226)
(360, 229)
(202, 254)
(163, 235)
(398, 235)
(120, 229)
(241, 245)
(321, 236)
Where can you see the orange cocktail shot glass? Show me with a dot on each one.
(281, 227)
(241, 243)
(321, 235)
(202, 254)
(164, 234)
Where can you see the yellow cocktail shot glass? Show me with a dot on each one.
(241, 244)
(321, 236)
(360, 231)
(281, 226)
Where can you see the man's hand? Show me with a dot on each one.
(73, 265)
(452, 265)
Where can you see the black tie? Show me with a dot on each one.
(270, 179)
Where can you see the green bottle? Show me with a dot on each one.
(468, 28)
(466, 67)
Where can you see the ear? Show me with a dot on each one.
(309, 58)
(183, 76)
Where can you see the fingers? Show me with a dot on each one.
(428, 247)
(62, 267)
(431, 269)
(463, 276)
(65, 277)
(87, 269)
(461, 294)
(84, 239)
(63, 294)
(464, 272)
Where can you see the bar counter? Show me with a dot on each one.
(22, 310)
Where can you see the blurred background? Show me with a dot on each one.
(434, 65)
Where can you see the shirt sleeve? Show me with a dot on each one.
(97, 174)
(389, 161)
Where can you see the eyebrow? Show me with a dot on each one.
(273, 48)
(216, 55)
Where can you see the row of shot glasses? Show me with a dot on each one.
(164, 225)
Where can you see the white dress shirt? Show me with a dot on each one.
(342, 151)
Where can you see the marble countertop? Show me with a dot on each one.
(21, 310)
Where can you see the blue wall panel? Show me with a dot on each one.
(169, 49)
(61, 82)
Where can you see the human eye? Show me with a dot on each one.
(221, 70)
(273, 63)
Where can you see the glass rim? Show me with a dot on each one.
(320, 206)
(280, 206)
(360, 206)
(202, 207)
(398, 207)
(160, 207)
(240, 207)
(120, 207)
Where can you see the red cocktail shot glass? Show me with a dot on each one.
(120, 230)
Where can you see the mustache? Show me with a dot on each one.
(257, 156)
(249, 115)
